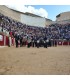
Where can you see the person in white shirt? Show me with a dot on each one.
(29, 42)
(38, 43)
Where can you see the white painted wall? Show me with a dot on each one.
(33, 21)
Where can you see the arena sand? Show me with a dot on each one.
(35, 61)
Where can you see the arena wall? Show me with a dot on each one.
(48, 22)
(10, 13)
(63, 16)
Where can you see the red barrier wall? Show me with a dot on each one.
(65, 43)
(7, 40)
(2, 41)
(59, 43)
(69, 43)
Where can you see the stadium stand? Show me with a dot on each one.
(10, 26)
(54, 31)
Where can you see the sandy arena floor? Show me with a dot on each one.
(54, 60)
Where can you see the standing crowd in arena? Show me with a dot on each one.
(34, 42)
(35, 36)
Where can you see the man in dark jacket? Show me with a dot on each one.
(21, 38)
(16, 40)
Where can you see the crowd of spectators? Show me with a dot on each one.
(53, 31)
(60, 31)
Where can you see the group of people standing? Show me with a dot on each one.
(34, 42)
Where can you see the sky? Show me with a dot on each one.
(47, 11)
(54, 10)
